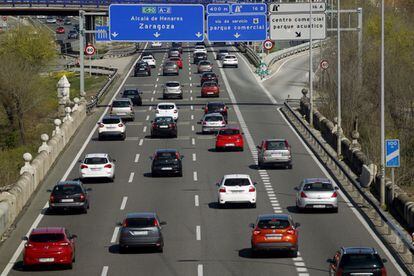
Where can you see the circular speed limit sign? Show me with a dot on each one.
(268, 44)
(324, 64)
(90, 50)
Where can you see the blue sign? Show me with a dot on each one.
(156, 22)
(392, 153)
(102, 34)
(249, 8)
(218, 8)
(234, 27)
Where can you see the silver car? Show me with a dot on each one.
(172, 89)
(123, 108)
(274, 152)
(317, 193)
(204, 66)
(170, 68)
(212, 122)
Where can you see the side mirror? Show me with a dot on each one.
(182, 156)
(251, 225)
(330, 261)
(151, 157)
(242, 133)
(384, 260)
(25, 238)
(80, 161)
(297, 224)
(254, 183)
(73, 237)
(119, 224)
(152, 122)
(163, 223)
(296, 188)
(98, 123)
(218, 184)
(49, 190)
(113, 160)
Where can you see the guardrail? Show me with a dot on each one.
(400, 236)
(251, 54)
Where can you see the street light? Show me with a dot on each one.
(339, 116)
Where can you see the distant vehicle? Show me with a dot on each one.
(275, 232)
(60, 30)
(197, 57)
(204, 66)
(274, 152)
(41, 16)
(167, 162)
(97, 165)
(67, 195)
(142, 69)
(357, 261)
(111, 126)
(59, 20)
(236, 188)
(317, 193)
(51, 20)
(73, 34)
(208, 76)
(216, 107)
(122, 108)
(229, 138)
(164, 126)
(172, 89)
(174, 52)
(200, 49)
(67, 21)
(150, 60)
(178, 46)
(167, 109)
(230, 61)
(178, 60)
(170, 67)
(49, 245)
(133, 94)
(212, 122)
(222, 53)
(141, 230)
(210, 89)
(156, 44)
(76, 27)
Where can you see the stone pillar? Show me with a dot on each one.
(68, 118)
(27, 167)
(63, 94)
(57, 130)
(44, 147)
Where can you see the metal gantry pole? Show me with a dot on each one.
(360, 32)
(382, 192)
(339, 116)
(310, 66)
(81, 52)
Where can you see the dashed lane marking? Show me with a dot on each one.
(144, 129)
(195, 177)
(140, 142)
(115, 234)
(104, 270)
(194, 157)
(147, 118)
(192, 128)
(198, 232)
(123, 203)
(136, 158)
(131, 177)
(200, 270)
(192, 141)
(196, 201)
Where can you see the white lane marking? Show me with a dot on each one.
(147, 118)
(152, 99)
(131, 177)
(191, 92)
(156, 85)
(191, 84)
(192, 128)
(192, 141)
(198, 232)
(153, 92)
(196, 201)
(194, 157)
(192, 107)
(104, 270)
(189, 78)
(140, 142)
(115, 234)
(200, 270)
(136, 158)
(158, 79)
(192, 117)
(144, 129)
(124, 202)
(195, 177)
(150, 108)
(191, 98)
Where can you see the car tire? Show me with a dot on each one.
(299, 209)
(99, 138)
(69, 266)
(289, 167)
(122, 249)
(236, 66)
(253, 252)
(154, 174)
(293, 253)
(335, 210)
(85, 210)
(123, 137)
(160, 249)
(221, 205)
(253, 205)
(181, 97)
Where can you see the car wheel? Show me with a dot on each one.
(253, 205)
(299, 209)
(221, 205)
(236, 66)
(160, 249)
(154, 174)
(289, 167)
(335, 210)
(124, 136)
(260, 165)
(122, 249)
(253, 252)
(69, 266)
(180, 174)
(241, 149)
(85, 210)
(99, 138)
(294, 253)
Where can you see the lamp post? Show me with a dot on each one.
(310, 66)
(382, 191)
(339, 124)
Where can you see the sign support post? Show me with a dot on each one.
(310, 66)
(81, 53)
(392, 160)
(339, 120)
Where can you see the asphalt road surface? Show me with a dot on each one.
(200, 239)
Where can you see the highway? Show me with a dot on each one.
(200, 239)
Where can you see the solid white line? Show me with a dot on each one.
(147, 118)
(104, 271)
(195, 178)
(136, 158)
(196, 201)
(115, 234)
(144, 129)
(193, 141)
(198, 232)
(140, 142)
(200, 270)
(131, 177)
(123, 204)
(194, 157)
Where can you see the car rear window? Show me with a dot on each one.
(229, 132)
(164, 120)
(170, 63)
(46, 237)
(174, 58)
(95, 160)
(111, 121)
(131, 92)
(273, 224)
(209, 84)
(237, 182)
(215, 105)
(318, 186)
(276, 145)
(166, 106)
(205, 62)
(200, 54)
(213, 118)
(166, 155)
(230, 57)
(140, 222)
(67, 189)
(147, 58)
(120, 104)
(352, 261)
(172, 84)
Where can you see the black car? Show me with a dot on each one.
(357, 261)
(164, 126)
(73, 34)
(167, 162)
(141, 230)
(216, 107)
(199, 57)
(174, 52)
(69, 195)
(208, 76)
(133, 94)
(142, 69)
(178, 46)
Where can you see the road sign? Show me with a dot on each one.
(156, 22)
(324, 64)
(90, 50)
(102, 33)
(297, 7)
(218, 8)
(268, 44)
(249, 8)
(296, 26)
(392, 153)
(237, 27)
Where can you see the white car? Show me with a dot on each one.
(51, 20)
(230, 60)
(212, 122)
(172, 89)
(200, 49)
(236, 188)
(111, 126)
(156, 44)
(97, 165)
(167, 109)
(150, 60)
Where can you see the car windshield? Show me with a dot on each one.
(204, 62)
(73, 32)
(352, 261)
(318, 187)
(273, 224)
(237, 182)
(140, 222)
(95, 160)
(166, 106)
(67, 189)
(164, 120)
(213, 118)
(120, 104)
(131, 92)
(229, 132)
(210, 75)
(174, 58)
(50, 237)
(147, 58)
(276, 145)
(166, 155)
(200, 54)
(172, 84)
(111, 121)
(168, 64)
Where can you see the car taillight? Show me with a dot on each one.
(303, 195)
(110, 110)
(154, 125)
(83, 166)
(252, 189)
(124, 223)
(290, 232)
(222, 190)
(156, 223)
(170, 125)
(256, 232)
(28, 245)
(175, 111)
(335, 194)
(121, 125)
(204, 123)
(64, 244)
(108, 166)
(52, 198)
(101, 125)
(82, 197)
(383, 272)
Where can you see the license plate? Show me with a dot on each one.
(46, 260)
(237, 191)
(140, 233)
(67, 200)
(96, 169)
(276, 155)
(166, 168)
(273, 237)
(163, 126)
(121, 113)
(230, 145)
(111, 127)
(318, 206)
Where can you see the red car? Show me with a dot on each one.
(210, 89)
(177, 60)
(49, 245)
(60, 30)
(229, 138)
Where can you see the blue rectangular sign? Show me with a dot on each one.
(243, 27)
(218, 8)
(392, 153)
(249, 8)
(102, 34)
(156, 22)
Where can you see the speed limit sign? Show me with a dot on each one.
(324, 64)
(268, 44)
(90, 50)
